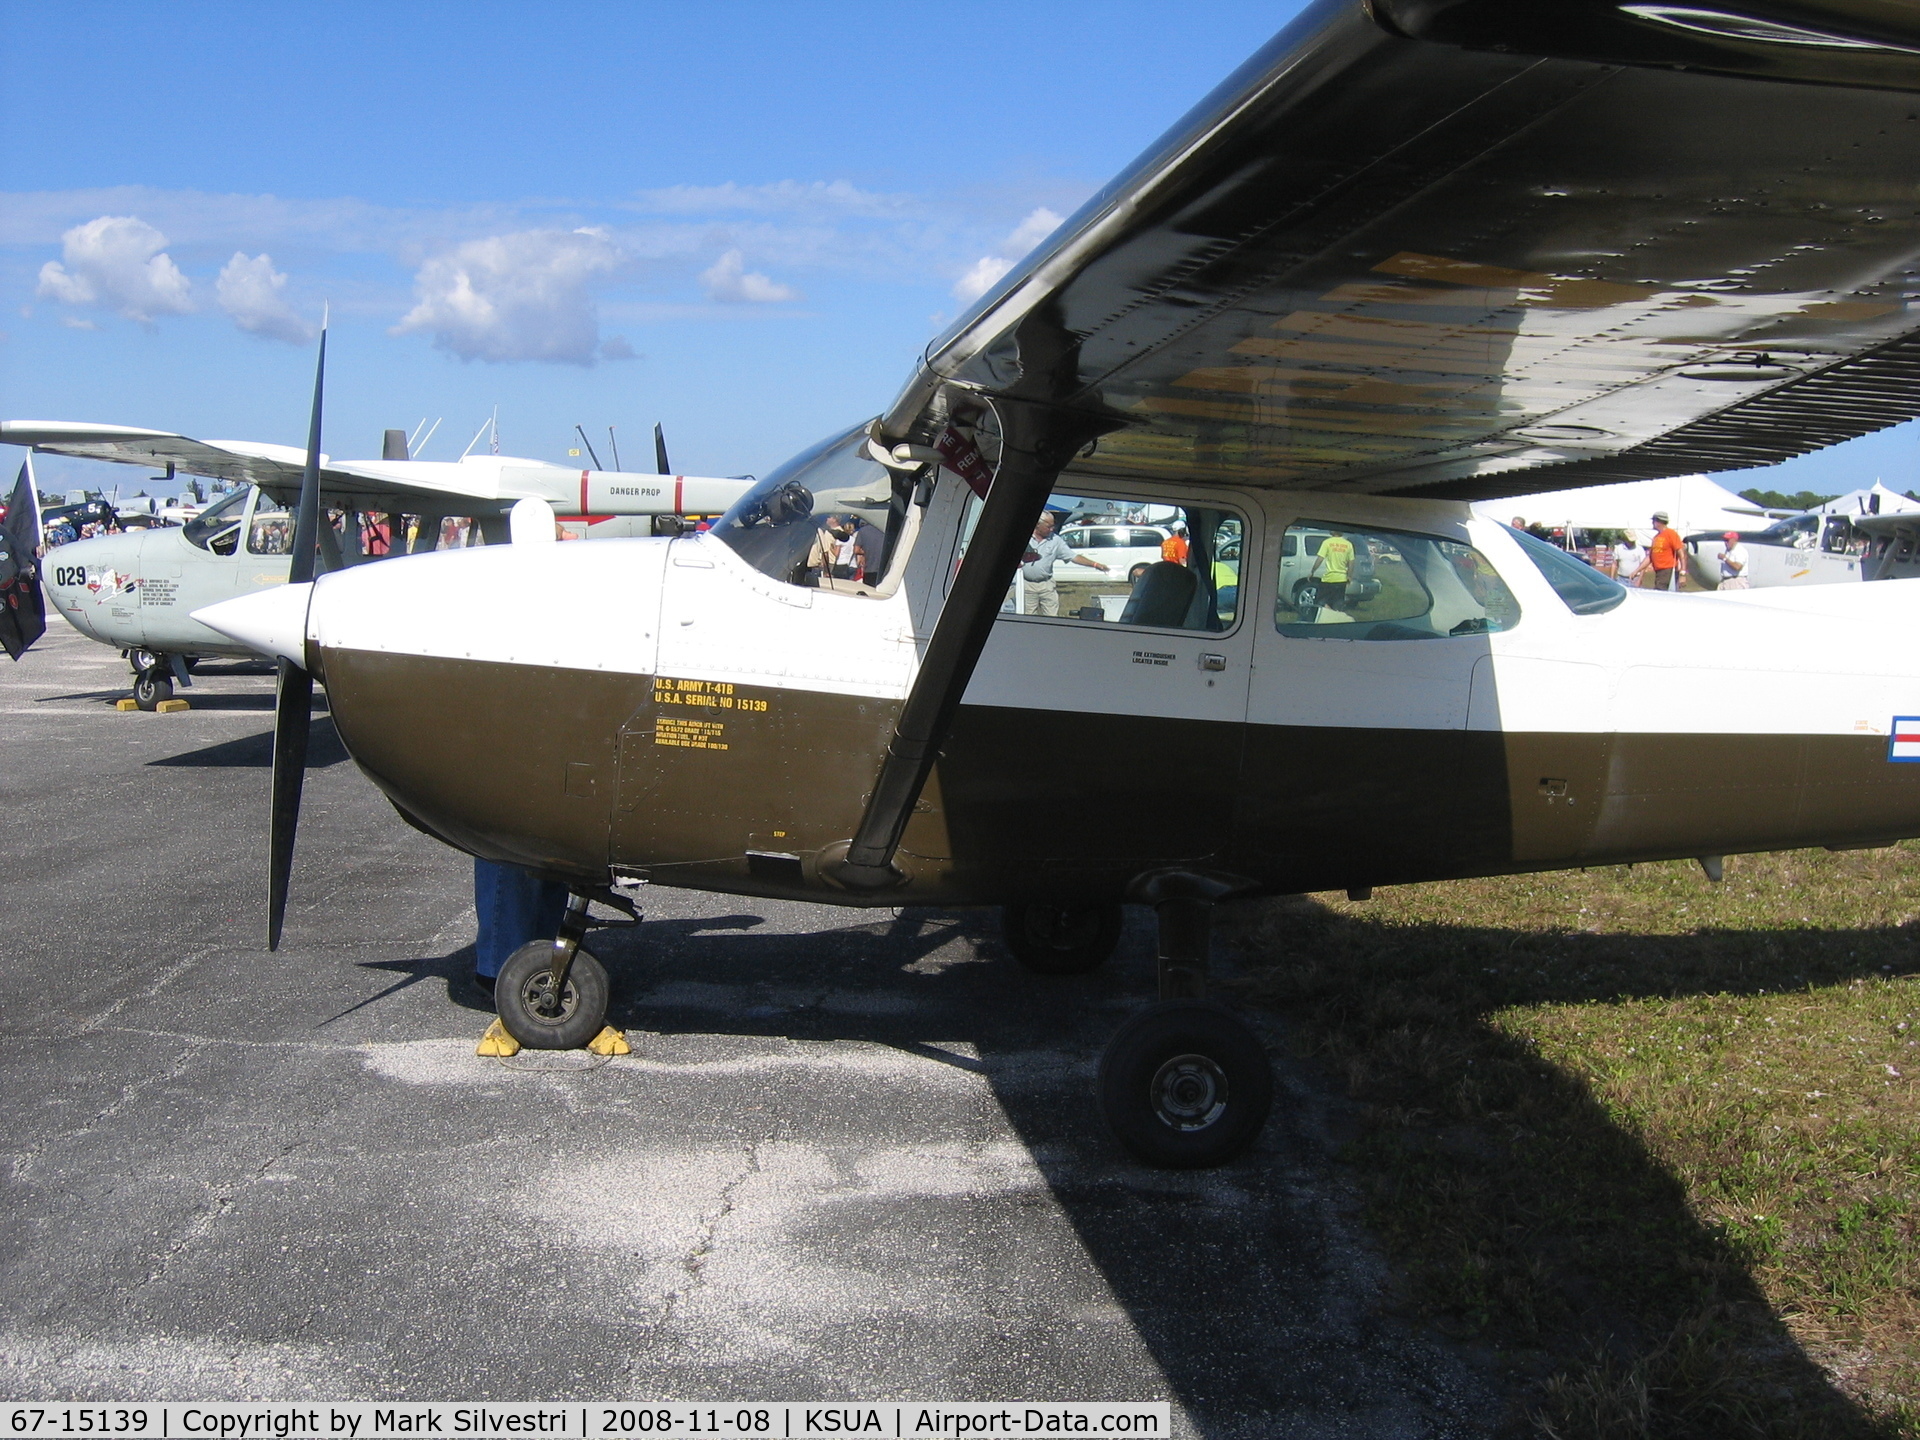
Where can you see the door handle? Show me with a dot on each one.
(1213, 662)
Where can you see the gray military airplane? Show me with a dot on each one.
(137, 591)
(1412, 254)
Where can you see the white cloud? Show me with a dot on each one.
(981, 277)
(782, 196)
(730, 282)
(118, 263)
(987, 271)
(74, 322)
(528, 296)
(251, 291)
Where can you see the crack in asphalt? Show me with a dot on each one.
(695, 1260)
(207, 1218)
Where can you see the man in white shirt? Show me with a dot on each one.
(1044, 550)
(1733, 563)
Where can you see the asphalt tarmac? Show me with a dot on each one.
(854, 1155)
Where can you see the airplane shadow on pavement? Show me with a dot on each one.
(256, 751)
(1258, 1287)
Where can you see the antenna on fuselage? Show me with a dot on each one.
(476, 437)
(660, 465)
(393, 445)
(616, 447)
(589, 444)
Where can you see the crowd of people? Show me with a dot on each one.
(1661, 564)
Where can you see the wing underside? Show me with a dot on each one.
(1387, 257)
(409, 486)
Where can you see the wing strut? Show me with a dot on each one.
(1037, 441)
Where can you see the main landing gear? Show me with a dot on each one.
(1185, 1084)
(551, 994)
(1061, 939)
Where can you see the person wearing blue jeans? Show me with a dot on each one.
(513, 907)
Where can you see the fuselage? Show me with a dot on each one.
(666, 710)
(139, 589)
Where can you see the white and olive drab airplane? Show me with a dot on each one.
(1414, 253)
(137, 591)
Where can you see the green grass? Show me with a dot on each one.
(1656, 1140)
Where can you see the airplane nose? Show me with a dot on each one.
(274, 621)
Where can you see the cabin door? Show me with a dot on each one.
(1104, 721)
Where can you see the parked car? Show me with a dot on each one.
(1298, 549)
(1126, 550)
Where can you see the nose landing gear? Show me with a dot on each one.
(150, 686)
(154, 676)
(551, 994)
(1185, 1084)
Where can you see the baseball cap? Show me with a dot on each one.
(1661, 516)
(1731, 535)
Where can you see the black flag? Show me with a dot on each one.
(23, 613)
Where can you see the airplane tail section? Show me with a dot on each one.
(23, 609)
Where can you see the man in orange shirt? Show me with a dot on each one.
(1174, 547)
(1666, 556)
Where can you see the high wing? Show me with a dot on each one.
(479, 485)
(1480, 248)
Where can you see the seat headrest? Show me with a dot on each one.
(1162, 596)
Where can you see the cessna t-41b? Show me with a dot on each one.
(1412, 254)
(137, 591)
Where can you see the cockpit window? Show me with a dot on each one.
(1800, 530)
(1585, 589)
(831, 518)
(217, 528)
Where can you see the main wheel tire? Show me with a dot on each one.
(1061, 939)
(138, 660)
(1185, 1085)
(534, 1015)
(150, 687)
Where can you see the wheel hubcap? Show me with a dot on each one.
(541, 1001)
(1065, 928)
(1189, 1092)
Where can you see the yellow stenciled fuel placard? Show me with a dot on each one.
(690, 734)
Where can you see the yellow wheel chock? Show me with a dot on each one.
(497, 1042)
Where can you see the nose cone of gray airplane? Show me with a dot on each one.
(273, 621)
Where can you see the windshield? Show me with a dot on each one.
(830, 518)
(1585, 589)
(217, 528)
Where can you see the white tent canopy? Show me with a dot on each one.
(1860, 502)
(1691, 502)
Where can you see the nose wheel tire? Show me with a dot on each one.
(1061, 939)
(151, 686)
(540, 1017)
(1185, 1085)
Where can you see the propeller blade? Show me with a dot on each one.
(293, 706)
(292, 715)
(661, 467)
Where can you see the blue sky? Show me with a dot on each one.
(744, 221)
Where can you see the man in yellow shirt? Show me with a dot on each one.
(1333, 566)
